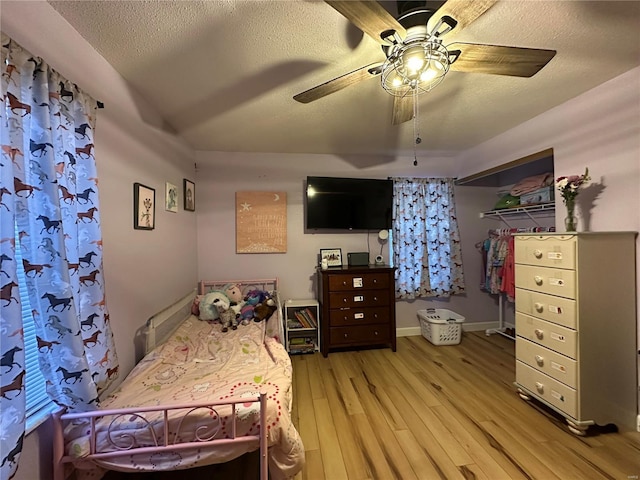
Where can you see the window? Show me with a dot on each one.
(39, 405)
(425, 239)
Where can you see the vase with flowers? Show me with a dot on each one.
(569, 188)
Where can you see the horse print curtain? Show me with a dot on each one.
(426, 239)
(49, 196)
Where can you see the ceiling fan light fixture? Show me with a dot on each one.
(415, 68)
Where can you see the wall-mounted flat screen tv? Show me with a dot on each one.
(348, 203)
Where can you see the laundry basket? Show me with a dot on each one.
(441, 326)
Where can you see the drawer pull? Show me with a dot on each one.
(539, 333)
(346, 335)
(344, 283)
(375, 281)
(540, 387)
(539, 360)
(375, 333)
(537, 253)
(539, 307)
(344, 300)
(537, 279)
(375, 299)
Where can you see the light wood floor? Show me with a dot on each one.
(440, 412)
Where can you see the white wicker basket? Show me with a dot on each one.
(441, 326)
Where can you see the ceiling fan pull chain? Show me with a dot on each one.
(416, 135)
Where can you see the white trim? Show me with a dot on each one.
(466, 327)
(407, 331)
(36, 419)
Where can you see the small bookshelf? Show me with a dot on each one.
(302, 326)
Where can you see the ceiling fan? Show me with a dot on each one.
(416, 58)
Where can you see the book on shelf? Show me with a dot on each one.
(310, 317)
(301, 341)
(306, 348)
(292, 323)
(302, 319)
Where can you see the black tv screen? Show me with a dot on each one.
(348, 203)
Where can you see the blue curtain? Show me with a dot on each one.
(50, 195)
(426, 239)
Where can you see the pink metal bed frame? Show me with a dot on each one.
(125, 444)
(59, 458)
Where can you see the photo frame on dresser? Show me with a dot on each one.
(333, 256)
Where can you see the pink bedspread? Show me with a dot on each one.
(199, 363)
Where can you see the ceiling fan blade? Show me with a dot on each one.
(402, 109)
(499, 60)
(368, 16)
(464, 12)
(339, 83)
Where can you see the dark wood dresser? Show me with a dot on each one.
(358, 307)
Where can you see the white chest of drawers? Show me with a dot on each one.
(576, 340)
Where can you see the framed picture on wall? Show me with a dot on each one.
(170, 197)
(332, 255)
(189, 195)
(144, 207)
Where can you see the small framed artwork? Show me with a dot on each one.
(170, 197)
(333, 256)
(189, 195)
(144, 207)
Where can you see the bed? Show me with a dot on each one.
(199, 396)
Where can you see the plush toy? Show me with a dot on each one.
(264, 310)
(254, 297)
(246, 313)
(226, 314)
(234, 292)
(208, 305)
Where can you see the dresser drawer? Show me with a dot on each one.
(558, 251)
(371, 334)
(359, 299)
(354, 281)
(548, 307)
(547, 361)
(551, 391)
(358, 316)
(557, 338)
(547, 280)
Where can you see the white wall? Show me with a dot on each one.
(144, 270)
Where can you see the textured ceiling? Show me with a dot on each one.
(223, 73)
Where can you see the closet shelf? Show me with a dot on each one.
(524, 210)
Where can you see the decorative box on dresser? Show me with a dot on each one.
(357, 307)
(576, 326)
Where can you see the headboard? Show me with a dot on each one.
(161, 325)
(268, 284)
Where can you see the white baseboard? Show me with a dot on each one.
(466, 327)
(408, 331)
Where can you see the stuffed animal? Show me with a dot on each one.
(234, 292)
(254, 297)
(208, 305)
(227, 315)
(264, 310)
(246, 313)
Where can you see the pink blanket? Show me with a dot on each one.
(200, 363)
